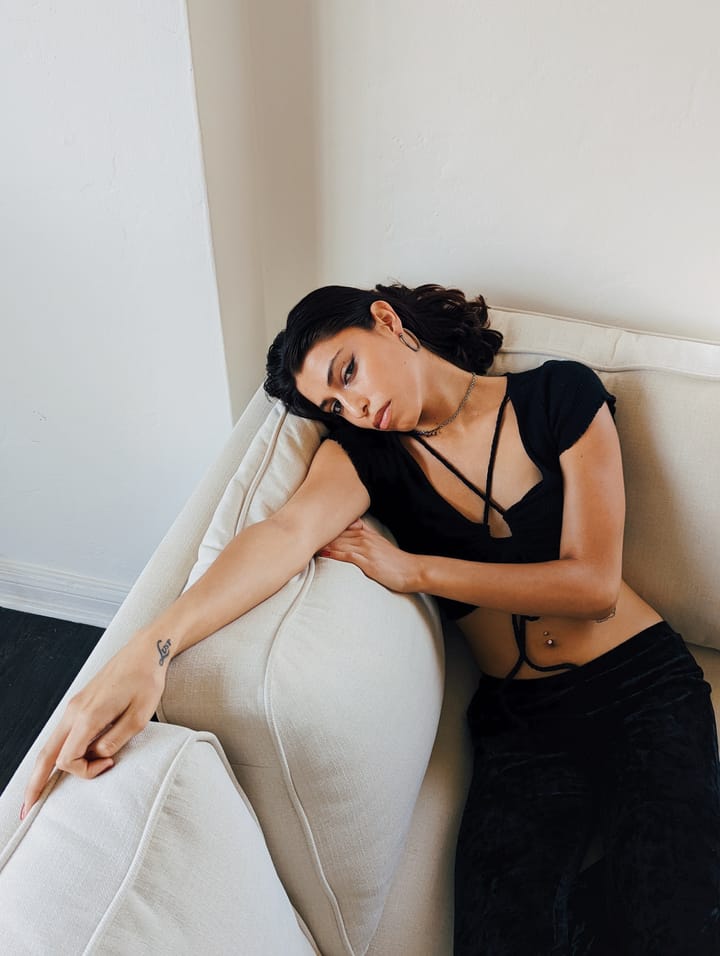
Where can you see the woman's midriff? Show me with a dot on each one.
(553, 640)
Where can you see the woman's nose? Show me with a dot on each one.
(357, 406)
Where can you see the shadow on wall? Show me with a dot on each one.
(254, 65)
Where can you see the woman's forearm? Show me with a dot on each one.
(568, 587)
(121, 698)
(254, 565)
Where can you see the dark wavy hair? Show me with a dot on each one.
(443, 320)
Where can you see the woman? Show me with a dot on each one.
(505, 495)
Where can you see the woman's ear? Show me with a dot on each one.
(386, 317)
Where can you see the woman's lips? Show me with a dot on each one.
(382, 419)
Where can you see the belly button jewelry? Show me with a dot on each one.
(549, 641)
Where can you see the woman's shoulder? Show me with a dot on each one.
(562, 396)
(374, 454)
(554, 372)
(358, 441)
(558, 380)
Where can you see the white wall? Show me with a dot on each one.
(560, 156)
(113, 388)
(255, 78)
(225, 91)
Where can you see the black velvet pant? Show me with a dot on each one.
(624, 746)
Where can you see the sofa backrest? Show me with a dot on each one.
(668, 404)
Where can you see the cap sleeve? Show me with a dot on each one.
(575, 393)
(359, 449)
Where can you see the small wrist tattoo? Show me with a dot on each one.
(164, 650)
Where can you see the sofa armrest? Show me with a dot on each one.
(161, 855)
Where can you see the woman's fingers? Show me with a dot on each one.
(376, 557)
(114, 706)
(339, 554)
(61, 751)
(72, 748)
(115, 737)
(353, 531)
(81, 766)
(44, 766)
(74, 756)
(79, 752)
(350, 537)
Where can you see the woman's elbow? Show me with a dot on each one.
(602, 596)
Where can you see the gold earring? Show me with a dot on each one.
(416, 346)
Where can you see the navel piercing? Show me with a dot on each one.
(549, 640)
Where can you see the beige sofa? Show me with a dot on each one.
(304, 793)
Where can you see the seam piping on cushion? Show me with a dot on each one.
(284, 764)
(628, 367)
(600, 325)
(262, 467)
(270, 718)
(22, 828)
(149, 828)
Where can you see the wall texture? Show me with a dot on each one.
(112, 381)
(560, 156)
(255, 78)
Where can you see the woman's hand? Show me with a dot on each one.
(114, 706)
(375, 556)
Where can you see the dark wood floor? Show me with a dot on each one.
(39, 657)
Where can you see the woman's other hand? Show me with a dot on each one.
(376, 557)
(99, 720)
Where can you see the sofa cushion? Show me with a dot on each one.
(162, 854)
(326, 698)
(668, 392)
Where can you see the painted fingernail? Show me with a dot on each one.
(22, 812)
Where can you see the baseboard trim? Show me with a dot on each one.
(60, 594)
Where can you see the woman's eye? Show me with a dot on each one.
(349, 370)
(336, 408)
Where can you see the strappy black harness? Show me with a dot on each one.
(518, 620)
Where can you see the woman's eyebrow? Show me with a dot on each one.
(330, 373)
(330, 366)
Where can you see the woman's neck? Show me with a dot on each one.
(445, 385)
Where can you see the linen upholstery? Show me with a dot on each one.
(418, 914)
(330, 689)
(162, 855)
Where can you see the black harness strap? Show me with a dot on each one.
(518, 620)
(485, 495)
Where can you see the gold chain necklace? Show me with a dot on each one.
(429, 432)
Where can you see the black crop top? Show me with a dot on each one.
(554, 404)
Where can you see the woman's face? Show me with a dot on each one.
(365, 376)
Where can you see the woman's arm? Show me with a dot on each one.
(263, 557)
(583, 583)
(122, 697)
